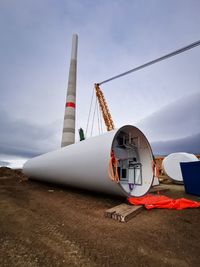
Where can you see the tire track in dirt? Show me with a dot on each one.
(48, 233)
(85, 247)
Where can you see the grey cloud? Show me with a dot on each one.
(176, 120)
(189, 144)
(36, 37)
(22, 138)
(4, 163)
(113, 37)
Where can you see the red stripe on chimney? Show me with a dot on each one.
(70, 105)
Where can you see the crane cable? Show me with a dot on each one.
(101, 126)
(98, 118)
(176, 52)
(96, 109)
(93, 118)
(89, 114)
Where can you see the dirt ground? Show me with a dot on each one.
(46, 225)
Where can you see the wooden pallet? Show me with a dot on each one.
(123, 212)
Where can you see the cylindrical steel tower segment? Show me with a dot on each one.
(68, 136)
(86, 164)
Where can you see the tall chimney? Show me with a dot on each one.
(68, 136)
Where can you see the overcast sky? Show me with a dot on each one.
(114, 36)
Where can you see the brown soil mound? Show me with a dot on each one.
(5, 171)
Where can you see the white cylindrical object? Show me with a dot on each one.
(85, 164)
(171, 164)
(68, 136)
(74, 46)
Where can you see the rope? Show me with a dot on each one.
(101, 125)
(93, 117)
(89, 112)
(176, 52)
(113, 168)
(98, 118)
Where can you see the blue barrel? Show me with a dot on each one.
(191, 177)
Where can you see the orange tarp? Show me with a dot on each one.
(163, 202)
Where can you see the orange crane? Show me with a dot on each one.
(104, 109)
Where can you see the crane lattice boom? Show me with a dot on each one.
(104, 109)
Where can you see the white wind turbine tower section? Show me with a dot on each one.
(85, 164)
(68, 136)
